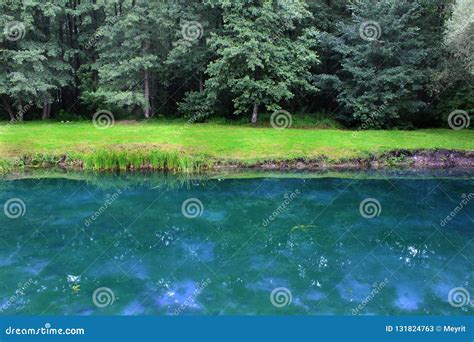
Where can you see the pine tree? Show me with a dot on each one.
(389, 51)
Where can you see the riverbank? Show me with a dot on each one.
(178, 146)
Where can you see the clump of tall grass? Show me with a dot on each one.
(5, 166)
(137, 160)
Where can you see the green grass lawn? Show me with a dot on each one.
(240, 143)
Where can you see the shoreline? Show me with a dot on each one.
(404, 159)
(396, 159)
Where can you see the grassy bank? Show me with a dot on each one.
(178, 146)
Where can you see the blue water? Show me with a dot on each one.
(126, 245)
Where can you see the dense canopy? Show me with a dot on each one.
(365, 64)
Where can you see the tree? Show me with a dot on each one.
(31, 56)
(262, 55)
(128, 53)
(459, 34)
(389, 51)
(452, 83)
(189, 56)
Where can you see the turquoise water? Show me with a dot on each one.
(234, 242)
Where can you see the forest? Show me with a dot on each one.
(372, 64)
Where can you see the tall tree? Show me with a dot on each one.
(194, 21)
(129, 54)
(389, 51)
(452, 85)
(460, 33)
(31, 57)
(263, 56)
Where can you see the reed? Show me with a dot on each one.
(139, 160)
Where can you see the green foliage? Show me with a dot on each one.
(195, 106)
(214, 58)
(262, 55)
(63, 115)
(460, 96)
(387, 52)
(31, 56)
(128, 49)
(459, 34)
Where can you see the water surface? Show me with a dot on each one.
(304, 236)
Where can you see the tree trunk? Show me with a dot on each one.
(255, 113)
(46, 113)
(20, 111)
(201, 85)
(9, 109)
(147, 94)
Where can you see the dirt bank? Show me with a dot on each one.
(430, 159)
